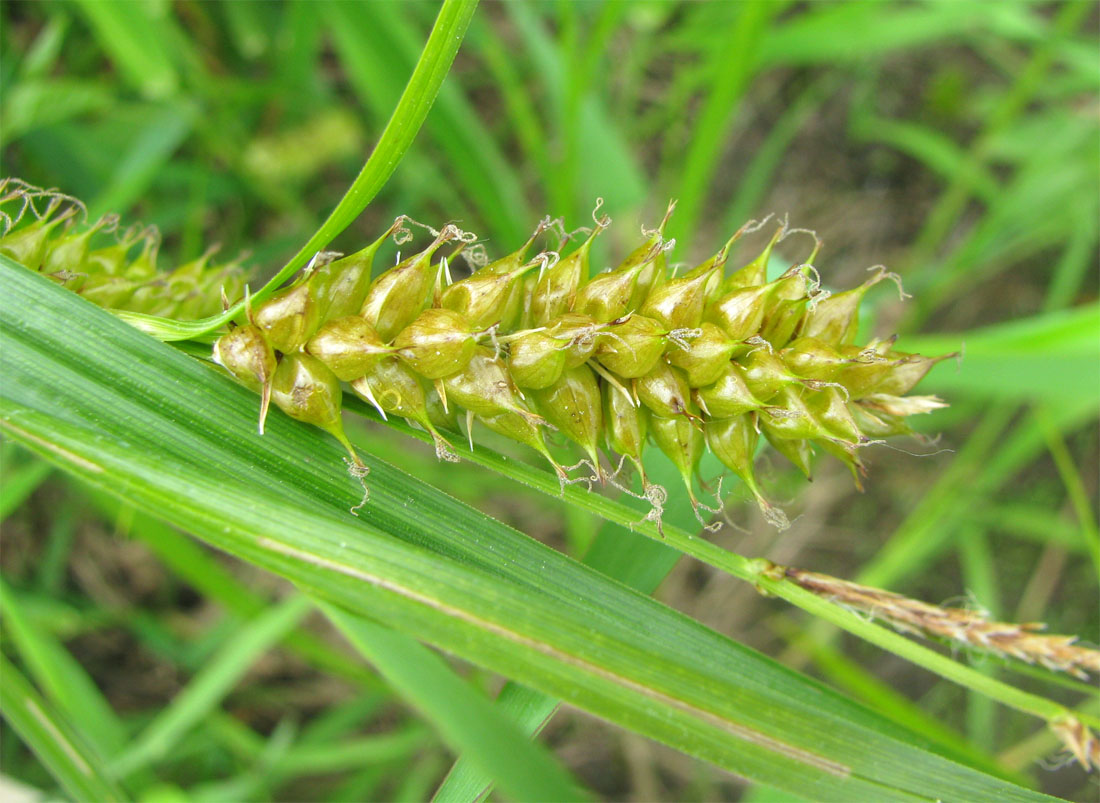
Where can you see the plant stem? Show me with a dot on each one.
(756, 571)
(419, 95)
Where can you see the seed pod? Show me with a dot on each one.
(488, 297)
(397, 296)
(682, 442)
(756, 272)
(392, 387)
(349, 346)
(901, 406)
(812, 358)
(249, 358)
(630, 347)
(729, 396)
(740, 312)
(607, 296)
(765, 374)
(789, 417)
(442, 417)
(437, 344)
(483, 387)
(289, 318)
(829, 408)
(795, 284)
(906, 372)
(733, 441)
(797, 451)
(835, 319)
(875, 423)
(306, 390)
(28, 245)
(654, 271)
(111, 292)
(74, 282)
(69, 253)
(678, 303)
(573, 405)
(706, 357)
(535, 359)
(556, 289)
(626, 424)
(864, 370)
(579, 334)
(781, 321)
(114, 259)
(339, 288)
(522, 430)
(664, 390)
(849, 456)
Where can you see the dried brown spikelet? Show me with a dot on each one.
(628, 356)
(970, 628)
(1082, 743)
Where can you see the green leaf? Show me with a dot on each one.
(211, 684)
(145, 422)
(468, 722)
(1051, 357)
(53, 739)
(137, 36)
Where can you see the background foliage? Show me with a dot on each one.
(954, 142)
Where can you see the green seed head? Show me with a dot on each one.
(729, 395)
(535, 360)
(556, 289)
(631, 346)
(306, 390)
(489, 298)
(349, 346)
(396, 297)
(289, 318)
(629, 355)
(573, 405)
(704, 355)
(437, 344)
(664, 390)
(484, 387)
(626, 424)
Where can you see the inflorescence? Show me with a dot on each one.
(689, 360)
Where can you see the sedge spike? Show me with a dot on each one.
(531, 348)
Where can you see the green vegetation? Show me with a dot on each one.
(953, 142)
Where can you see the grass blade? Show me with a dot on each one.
(52, 739)
(416, 101)
(467, 721)
(115, 416)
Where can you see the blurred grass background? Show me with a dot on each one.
(956, 142)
